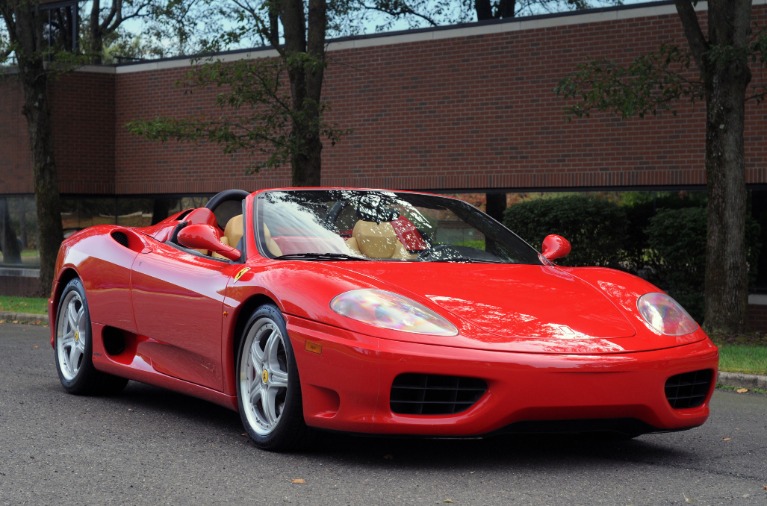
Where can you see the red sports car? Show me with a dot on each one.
(376, 312)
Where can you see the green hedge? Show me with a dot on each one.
(595, 228)
(676, 252)
(663, 239)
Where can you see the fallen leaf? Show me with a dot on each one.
(298, 481)
(448, 501)
(742, 390)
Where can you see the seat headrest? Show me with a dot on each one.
(234, 230)
(375, 240)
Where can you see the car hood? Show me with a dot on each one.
(524, 308)
(511, 301)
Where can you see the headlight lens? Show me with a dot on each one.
(664, 315)
(389, 310)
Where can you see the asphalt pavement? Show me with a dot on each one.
(150, 446)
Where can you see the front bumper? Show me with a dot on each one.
(346, 381)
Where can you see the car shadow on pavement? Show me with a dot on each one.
(415, 452)
(546, 450)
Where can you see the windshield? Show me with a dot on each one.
(377, 225)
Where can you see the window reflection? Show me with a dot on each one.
(18, 231)
(18, 219)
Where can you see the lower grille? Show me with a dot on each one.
(430, 394)
(689, 390)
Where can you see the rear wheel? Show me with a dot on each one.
(268, 388)
(73, 346)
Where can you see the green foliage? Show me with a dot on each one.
(596, 228)
(648, 85)
(640, 208)
(676, 252)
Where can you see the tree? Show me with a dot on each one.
(419, 13)
(104, 21)
(24, 22)
(41, 39)
(282, 121)
(651, 84)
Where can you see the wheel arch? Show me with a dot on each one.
(232, 346)
(65, 276)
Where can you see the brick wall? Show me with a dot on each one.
(15, 156)
(84, 127)
(468, 108)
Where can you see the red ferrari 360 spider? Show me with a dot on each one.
(374, 312)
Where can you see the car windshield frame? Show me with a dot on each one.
(380, 225)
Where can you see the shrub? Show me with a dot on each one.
(676, 241)
(596, 228)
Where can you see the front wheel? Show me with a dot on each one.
(74, 346)
(268, 387)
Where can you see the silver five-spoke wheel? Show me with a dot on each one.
(268, 386)
(71, 334)
(264, 376)
(73, 346)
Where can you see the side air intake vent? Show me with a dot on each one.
(689, 390)
(429, 394)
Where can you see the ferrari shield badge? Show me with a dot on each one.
(240, 273)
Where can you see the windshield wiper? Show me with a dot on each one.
(318, 256)
(463, 260)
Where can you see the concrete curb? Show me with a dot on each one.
(26, 318)
(729, 379)
(735, 379)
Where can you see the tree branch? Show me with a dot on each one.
(692, 31)
(399, 9)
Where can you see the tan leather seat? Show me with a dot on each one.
(233, 231)
(377, 240)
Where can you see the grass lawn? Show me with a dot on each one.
(31, 305)
(743, 358)
(733, 357)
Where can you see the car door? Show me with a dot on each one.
(178, 305)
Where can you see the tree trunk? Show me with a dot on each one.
(34, 78)
(495, 205)
(305, 55)
(727, 78)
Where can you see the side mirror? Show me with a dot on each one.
(201, 236)
(555, 246)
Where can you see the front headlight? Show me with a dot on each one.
(389, 310)
(664, 315)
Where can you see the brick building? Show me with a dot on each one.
(459, 109)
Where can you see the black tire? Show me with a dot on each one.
(73, 346)
(268, 386)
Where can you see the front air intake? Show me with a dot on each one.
(689, 390)
(431, 394)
